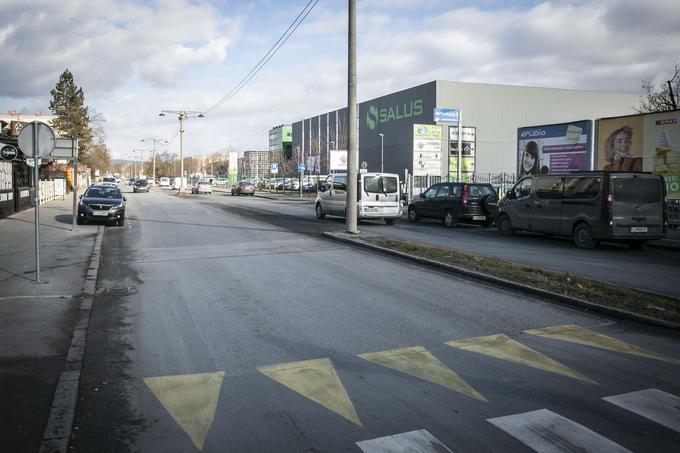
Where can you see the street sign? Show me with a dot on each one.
(301, 167)
(36, 137)
(275, 167)
(446, 115)
(8, 152)
(65, 149)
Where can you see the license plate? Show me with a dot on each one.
(478, 217)
(100, 213)
(638, 229)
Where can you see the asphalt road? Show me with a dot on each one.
(651, 269)
(229, 324)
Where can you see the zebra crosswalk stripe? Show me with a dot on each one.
(660, 407)
(420, 441)
(548, 432)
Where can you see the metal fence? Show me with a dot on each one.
(673, 212)
(502, 182)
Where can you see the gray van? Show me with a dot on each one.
(588, 206)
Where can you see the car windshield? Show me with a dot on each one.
(141, 182)
(380, 184)
(103, 192)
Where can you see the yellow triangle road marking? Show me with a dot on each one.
(191, 399)
(317, 380)
(576, 334)
(419, 362)
(505, 348)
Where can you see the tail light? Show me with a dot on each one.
(610, 202)
(465, 195)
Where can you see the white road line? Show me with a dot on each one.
(660, 407)
(548, 432)
(419, 441)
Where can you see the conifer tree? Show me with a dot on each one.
(72, 119)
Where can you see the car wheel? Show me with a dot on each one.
(583, 237)
(80, 220)
(390, 221)
(413, 215)
(504, 225)
(449, 219)
(319, 212)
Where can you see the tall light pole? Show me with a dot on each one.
(155, 140)
(352, 151)
(182, 115)
(382, 136)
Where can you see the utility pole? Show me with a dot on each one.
(352, 151)
(382, 136)
(155, 140)
(181, 115)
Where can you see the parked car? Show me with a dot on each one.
(588, 207)
(164, 182)
(243, 188)
(101, 203)
(377, 197)
(140, 185)
(202, 187)
(456, 202)
(109, 178)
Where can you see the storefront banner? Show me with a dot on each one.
(554, 148)
(427, 131)
(426, 145)
(467, 165)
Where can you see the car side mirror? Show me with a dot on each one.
(422, 195)
(510, 194)
(80, 196)
(124, 199)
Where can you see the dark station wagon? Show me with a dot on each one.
(455, 202)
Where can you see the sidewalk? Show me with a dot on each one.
(37, 321)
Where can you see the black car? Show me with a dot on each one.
(140, 185)
(455, 202)
(102, 203)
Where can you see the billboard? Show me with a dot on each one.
(645, 142)
(468, 153)
(427, 150)
(339, 159)
(554, 148)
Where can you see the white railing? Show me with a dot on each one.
(51, 190)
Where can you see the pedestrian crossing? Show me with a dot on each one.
(192, 399)
(545, 431)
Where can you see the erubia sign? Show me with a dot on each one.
(408, 109)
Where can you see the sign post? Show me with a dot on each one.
(38, 137)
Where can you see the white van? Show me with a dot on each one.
(164, 182)
(378, 197)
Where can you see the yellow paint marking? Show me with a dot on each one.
(576, 334)
(317, 380)
(191, 399)
(420, 363)
(505, 348)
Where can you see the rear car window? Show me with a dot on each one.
(549, 188)
(380, 184)
(636, 190)
(480, 191)
(582, 187)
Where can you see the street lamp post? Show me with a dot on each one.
(381, 152)
(155, 140)
(182, 115)
(328, 158)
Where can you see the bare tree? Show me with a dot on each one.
(663, 98)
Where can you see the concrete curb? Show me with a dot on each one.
(503, 283)
(60, 422)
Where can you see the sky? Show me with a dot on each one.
(136, 58)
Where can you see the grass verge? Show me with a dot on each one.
(647, 304)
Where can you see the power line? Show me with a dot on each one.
(267, 56)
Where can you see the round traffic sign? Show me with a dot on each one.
(43, 146)
(8, 152)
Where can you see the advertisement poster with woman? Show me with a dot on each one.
(554, 148)
(646, 142)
